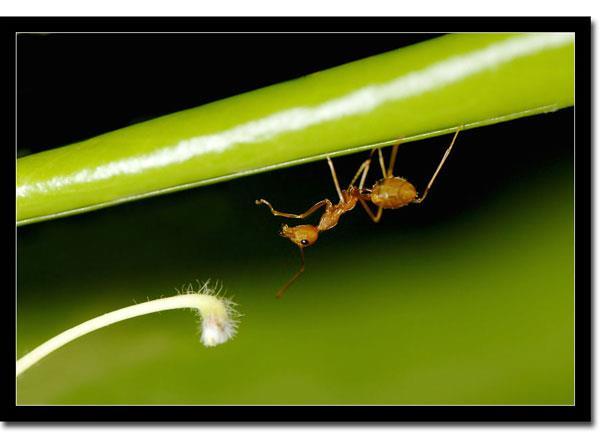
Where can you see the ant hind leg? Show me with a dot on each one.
(435, 174)
(374, 217)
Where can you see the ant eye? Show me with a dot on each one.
(304, 242)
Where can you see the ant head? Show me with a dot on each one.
(301, 235)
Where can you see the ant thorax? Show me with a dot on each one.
(393, 192)
(332, 214)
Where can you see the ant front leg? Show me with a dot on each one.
(311, 210)
(435, 174)
(335, 179)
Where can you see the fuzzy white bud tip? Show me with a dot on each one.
(219, 318)
(216, 330)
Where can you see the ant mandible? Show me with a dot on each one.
(390, 192)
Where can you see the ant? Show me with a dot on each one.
(390, 192)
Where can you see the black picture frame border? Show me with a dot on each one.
(580, 412)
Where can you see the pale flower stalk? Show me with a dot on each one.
(219, 323)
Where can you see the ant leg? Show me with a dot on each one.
(283, 288)
(360, 170)
(364, 175)
(374, 217)
(435, 174)
(390, 171)
(308, 212)
(335, 180)
(363, 169)
(382, 163)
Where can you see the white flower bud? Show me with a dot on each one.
(219, 321)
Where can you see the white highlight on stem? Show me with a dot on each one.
(219, 322)
(363, 100)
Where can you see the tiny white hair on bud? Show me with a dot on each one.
(218, 314)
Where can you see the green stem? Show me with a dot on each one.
(412, 93)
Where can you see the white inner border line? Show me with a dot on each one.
(300, 33)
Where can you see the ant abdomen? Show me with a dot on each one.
(393, 192)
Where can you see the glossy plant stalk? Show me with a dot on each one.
(416, 92)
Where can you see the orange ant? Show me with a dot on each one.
(390, 192)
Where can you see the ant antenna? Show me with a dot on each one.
(281, 291)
